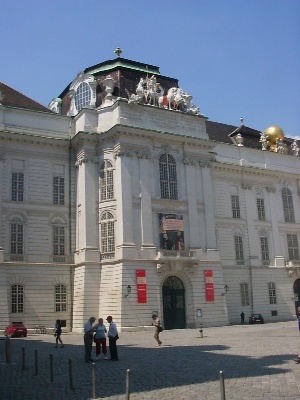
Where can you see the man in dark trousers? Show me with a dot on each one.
(242, 317)
(112, 339)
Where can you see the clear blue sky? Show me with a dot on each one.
(237, 58)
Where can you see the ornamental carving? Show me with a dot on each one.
(121, 153)
(270, 189)
(83, 160)
(150, 92)
(246, 186)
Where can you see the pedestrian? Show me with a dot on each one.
(113, 336)
(88, 338)
(158, 329)
(57, 333)
(297, 360)
(100, 339)
(242, 317)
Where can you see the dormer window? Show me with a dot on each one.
(82, 96)
(82, 93)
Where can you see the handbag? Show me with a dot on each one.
(159, 328)
(117, 336)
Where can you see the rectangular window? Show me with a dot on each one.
(60, 298)
(261, 208)
(58, 190)
(58, 240)
(235, 204)
(17, 186)
(264, 245)
(239, 251)
(17, 299)
(272, 293)
(244, 294)
(293, 249)
(16, 238)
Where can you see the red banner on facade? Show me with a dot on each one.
(141, 286)
(209, 285)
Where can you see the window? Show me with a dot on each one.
(261, 208)
(264, 245)
(288, 207)
(107, 235)
(17, 299)
(59, 243)
(293, 249)
(106, 181)
(168, 177)
(239, 251)
(60, 298)
(82, 96)
(235, 204)
(17, 186)
(272, 293)
(16, 238)
(244, 294)
(58, 190)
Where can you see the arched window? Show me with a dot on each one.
(17, 299)
(60, 298)
(82, 96)
(107, 235)
(288, 207)
(106, 181)
(168, 177)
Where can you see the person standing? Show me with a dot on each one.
(57, 333)
(88, 338)
(112, 339)
(100, 339)
(158, 329)
(242, 317)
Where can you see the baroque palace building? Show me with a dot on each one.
(122, 199)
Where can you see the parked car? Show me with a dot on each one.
(256, 319)
(16, 329)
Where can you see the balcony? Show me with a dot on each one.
(174, 254)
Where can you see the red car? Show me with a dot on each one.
(16, 329)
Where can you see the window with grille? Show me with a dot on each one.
(272, 293)
(17, 186)
(17, 299)
(59, 241)
(107, 235)
(58, 190)
(244, 294)
(168, 177)
(239, 250)
(235, 204)
(293, 248)
(288, 207)
(106, 181)
(264, 245)
(261, 208)
(82, 96)
(16, 238)
(60, 298)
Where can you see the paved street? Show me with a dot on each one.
(256, 361)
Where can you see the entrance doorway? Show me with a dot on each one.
(173, 303)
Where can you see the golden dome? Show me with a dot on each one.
(273, 133)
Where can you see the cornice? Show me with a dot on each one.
(17, 137)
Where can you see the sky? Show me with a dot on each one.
(237, 58)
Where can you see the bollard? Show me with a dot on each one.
(23, 358)
(35, 363)
(51, 367)
(222, 385)
(94, 380)
(70, 375)
(8, 350)
(127, 397)
(201, 330)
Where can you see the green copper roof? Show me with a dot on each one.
(122, 63)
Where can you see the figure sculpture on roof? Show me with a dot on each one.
(264, 141)
(280, 146)
(295, 148)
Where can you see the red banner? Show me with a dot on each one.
(141, 286)
(209, 285)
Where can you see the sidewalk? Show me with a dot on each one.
(256, 361)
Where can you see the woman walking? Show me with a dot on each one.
(57, 333)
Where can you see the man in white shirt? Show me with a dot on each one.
(112, 338)
(88, 338)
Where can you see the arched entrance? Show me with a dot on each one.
(296, 289)
(173, 303)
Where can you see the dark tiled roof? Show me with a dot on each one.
(13, 98)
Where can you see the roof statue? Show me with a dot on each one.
(264, 141)
(273, 133)
(295, 148)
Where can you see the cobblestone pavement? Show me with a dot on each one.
(256, 361)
